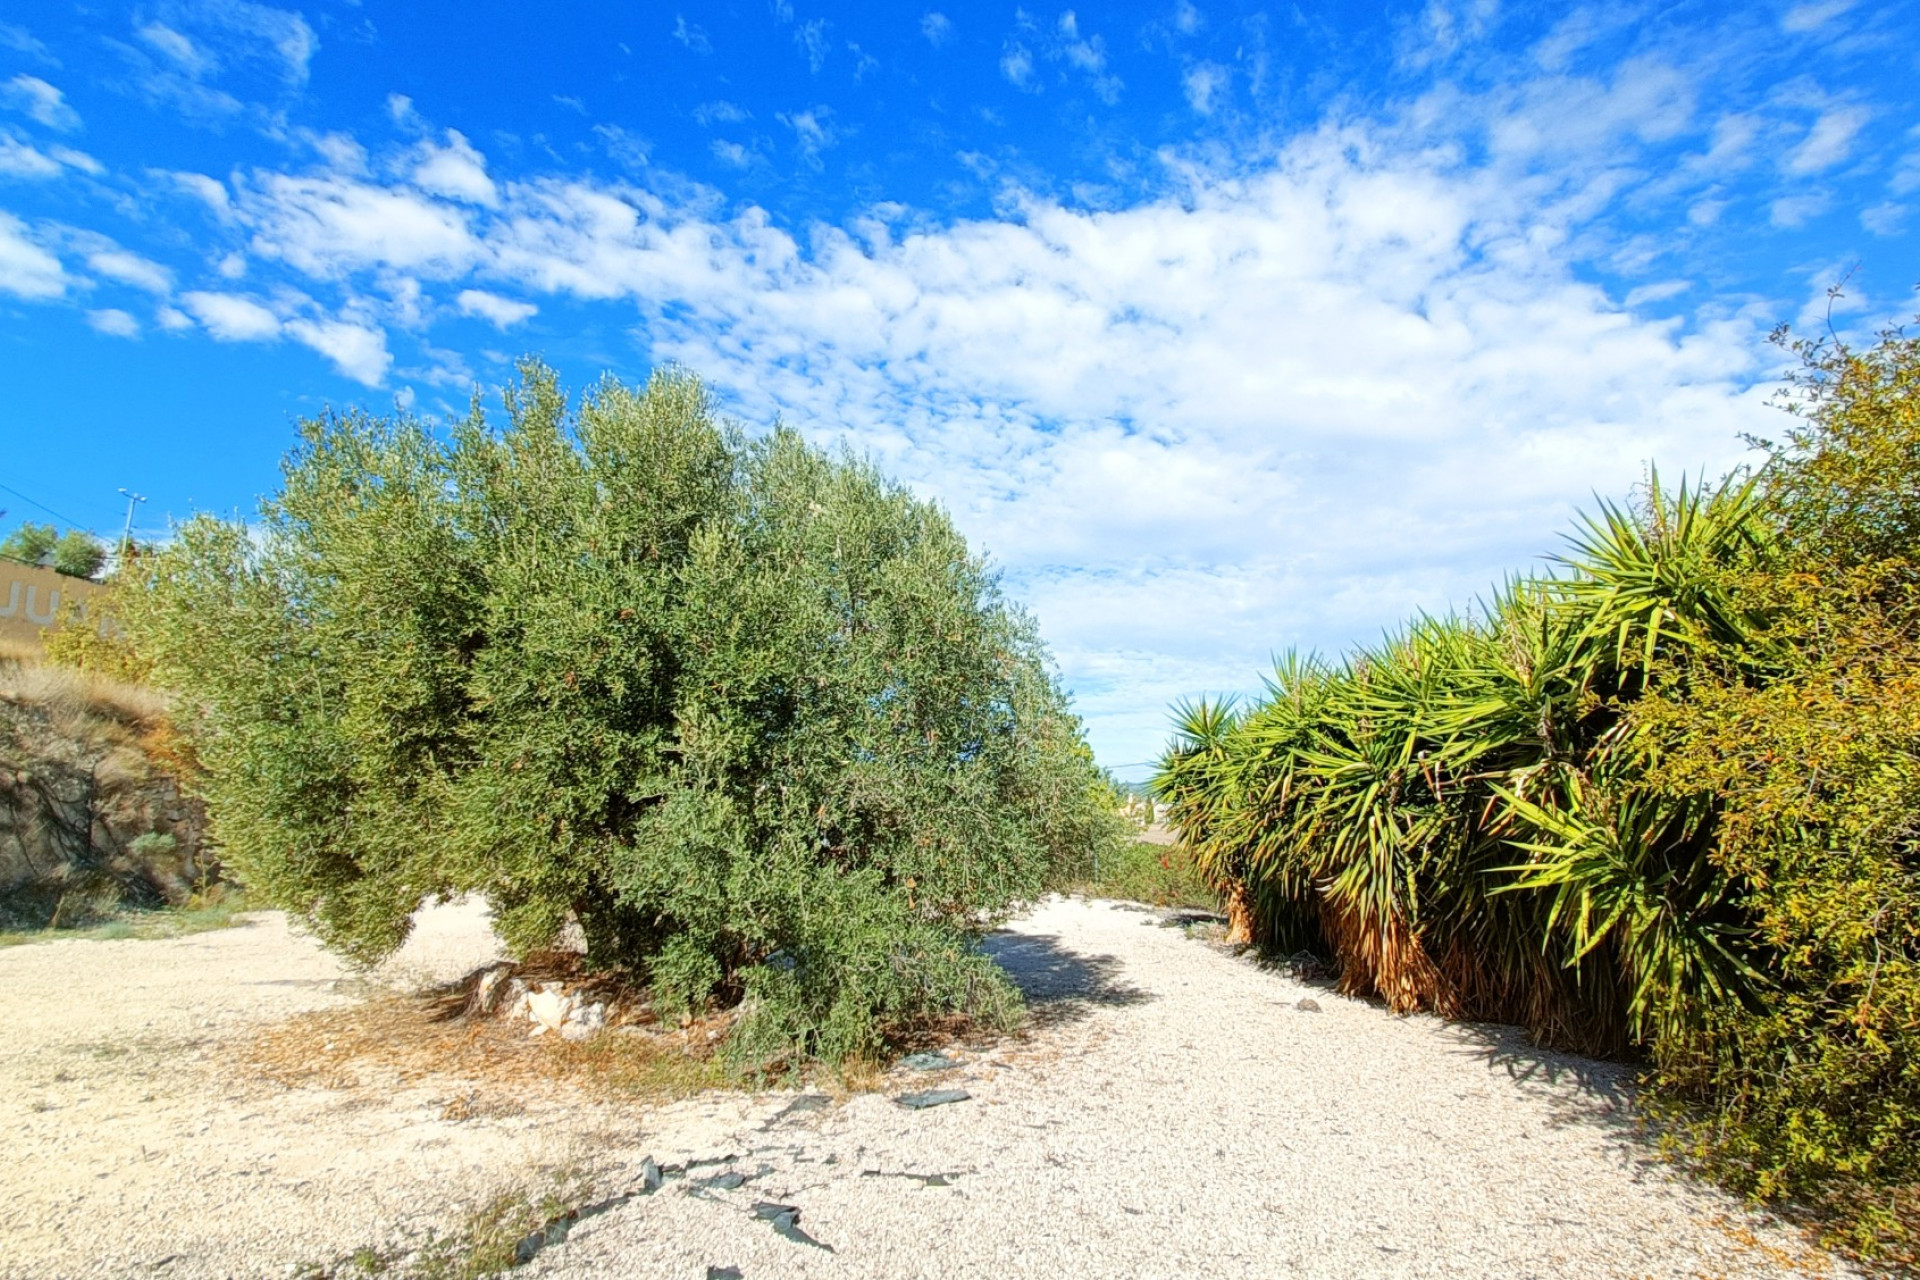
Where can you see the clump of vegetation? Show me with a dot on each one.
(81, 642)
(1160, 875)
(753, 718)
(76, 553)
(1666, 800)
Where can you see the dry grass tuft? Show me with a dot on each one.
(77, 700)
(410, 1038)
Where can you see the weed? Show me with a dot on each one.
(1157, 874)
(219, 908)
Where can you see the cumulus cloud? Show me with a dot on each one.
(1355, 379)
(1297, 394)
(1016, 64)
(358, 351)
(501, 313)
(813, 131)
(1204, 83)
(731, 154)
(41, 102)
(210, 192)
(19, 160)
(231, 317)
(1828, 142)
(131, 268)
(454, 169)
(114, 322)
(936, 27)
(27, 270)
(323, 224)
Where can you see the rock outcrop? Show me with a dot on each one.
(92, 815)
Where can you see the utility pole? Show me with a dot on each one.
(126, 537)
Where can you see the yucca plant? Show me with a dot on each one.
(1386, 800)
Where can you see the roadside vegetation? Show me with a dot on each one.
(1663, 801)
(749, 717)
(1160, 875)
(76, 553)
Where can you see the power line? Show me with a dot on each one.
(43, 506)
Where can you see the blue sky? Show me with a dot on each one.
(1223, 328)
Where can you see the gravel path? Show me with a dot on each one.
(1175, 1112)
(1180, 1114)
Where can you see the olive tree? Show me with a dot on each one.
(755, 718)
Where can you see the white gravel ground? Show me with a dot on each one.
(1183, 1116)
(1175, 1113)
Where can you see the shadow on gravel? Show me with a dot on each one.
(1579, 1091)
(1061, 985)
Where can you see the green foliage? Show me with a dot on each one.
(1664, 801)
(76, 553)
(1141, 871)
(752, 716)
(30, 542)
(80, 644)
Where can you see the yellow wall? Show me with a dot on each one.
(32, 599)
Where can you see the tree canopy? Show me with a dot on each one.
(754, 718)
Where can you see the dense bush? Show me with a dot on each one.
(751, 716)
(76, 553)
(30, 542)
(1666, 801)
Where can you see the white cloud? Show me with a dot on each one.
(187, 46)
(813, 131)
(1798, 210)
(18, 160)
(176, 48)
(42, 102)
(1016, 64)
(455, 170)
(811, 38)
(208, 191)
(131, 268)
(691, 35)
(21, 40)
(936, 27)
(1294, 401)
(115, 323)
(1186, 18)
(731, 154)
(502, 313)
(1809, 17)
(1295, 397)
(323, 225)
(357, 351)
(27, 270)
(722, 112)
(1204, 82)
(232, 318)
(1829, 141)
(77, 160)
(1884, 219)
